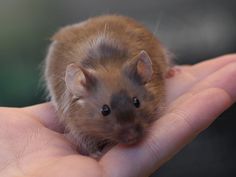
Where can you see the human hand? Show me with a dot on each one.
(32, 142)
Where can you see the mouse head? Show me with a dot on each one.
(112, 103)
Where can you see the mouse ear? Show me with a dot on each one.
(78, 80)
(139, 68)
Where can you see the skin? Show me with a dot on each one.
(32, 142)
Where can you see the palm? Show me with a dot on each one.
(32, 143)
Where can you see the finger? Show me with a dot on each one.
(186, 80)
(46, 114)
(203, 69)
(223, 78)
(168, 136)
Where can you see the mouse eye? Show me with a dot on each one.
(105, 110)
(136, 102)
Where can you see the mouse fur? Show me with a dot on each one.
(106, 60)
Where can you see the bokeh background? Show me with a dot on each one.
(193, 30)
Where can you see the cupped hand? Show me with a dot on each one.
(32, 142)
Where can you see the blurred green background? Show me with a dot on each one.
(193, 30)
(24, 36)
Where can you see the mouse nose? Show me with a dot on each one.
(131, 135)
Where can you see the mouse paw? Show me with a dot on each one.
(171, 72)
(96, 155)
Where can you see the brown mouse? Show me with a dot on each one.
(106, 77)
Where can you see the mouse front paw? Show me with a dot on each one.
(171, 72)
(96, 155)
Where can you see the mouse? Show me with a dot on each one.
(106, 79)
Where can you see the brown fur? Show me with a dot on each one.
(103, 45)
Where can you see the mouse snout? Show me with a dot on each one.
(131, 134)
